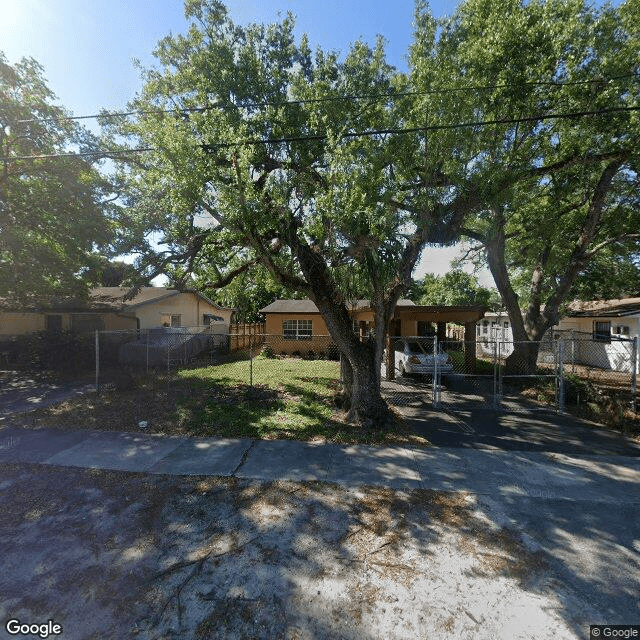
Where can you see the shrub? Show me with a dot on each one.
(332, 352)
(54, 351)
(267, 351)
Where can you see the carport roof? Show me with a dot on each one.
(461, 314)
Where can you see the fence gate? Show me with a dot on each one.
(532, 379)
(466, 381)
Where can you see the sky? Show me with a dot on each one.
(87, 47)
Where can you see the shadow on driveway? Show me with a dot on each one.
(468, 419)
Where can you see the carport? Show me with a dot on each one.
(407, 321)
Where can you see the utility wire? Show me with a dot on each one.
(283, 103)
(209, 148)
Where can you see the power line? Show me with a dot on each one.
(209, 148)
(283, 103)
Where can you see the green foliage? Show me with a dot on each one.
(62, 351)
(248, 293)
(51, 215)
(557, 201)
(102, 272)
(454, 288)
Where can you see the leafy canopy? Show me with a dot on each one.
(52, 214)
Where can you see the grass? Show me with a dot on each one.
(288, 398)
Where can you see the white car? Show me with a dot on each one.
(412, 356)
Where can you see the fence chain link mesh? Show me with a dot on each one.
(559, 370)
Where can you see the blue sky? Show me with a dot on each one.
(87, 46)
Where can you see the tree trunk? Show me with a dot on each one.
(522, 361)
(366, 405)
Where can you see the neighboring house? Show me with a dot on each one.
(602, 333)
(158, 307)
(599, 333)
(296, 325)
(107, 310)
(494, 326)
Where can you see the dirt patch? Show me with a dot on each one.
(178, 409)
(120, 555)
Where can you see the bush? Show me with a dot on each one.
(332, 352)
(267, 351)
(54, 351)
(578, 391)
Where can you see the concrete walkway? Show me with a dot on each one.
(507, 474)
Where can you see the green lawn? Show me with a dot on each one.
(289, 398)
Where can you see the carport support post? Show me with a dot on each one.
(469, 347)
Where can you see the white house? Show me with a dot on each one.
(599, 333)
(602, 332)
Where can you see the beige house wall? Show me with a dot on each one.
(17, 324)
(189, 307)
(275, 333)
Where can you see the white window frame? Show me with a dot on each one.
(172, 319)
(297, 329)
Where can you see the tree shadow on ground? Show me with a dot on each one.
(111, 554)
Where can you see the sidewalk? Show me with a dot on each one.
(544, 476)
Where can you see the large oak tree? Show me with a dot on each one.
(556, 195)
(53, 209)
(266, 153)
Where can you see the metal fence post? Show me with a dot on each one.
(147, 351)
(496, 403)
(97, 362)
(250, 364)
(500, 373)
(560, 374)
(435, 372)
(634, 372)
(168, 359)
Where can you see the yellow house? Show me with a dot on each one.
(297, 326)
(107, 310)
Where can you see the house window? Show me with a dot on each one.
(208, 318)
(53, 322)
(170, 320)
(602, 331)
(506, 325)
(297, 329)
(485, 327)
(622, 330)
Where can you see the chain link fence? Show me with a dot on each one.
(564, 367)
(166, 355)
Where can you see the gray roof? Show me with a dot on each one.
(308, 306)
(114, 296)
(602, 308)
